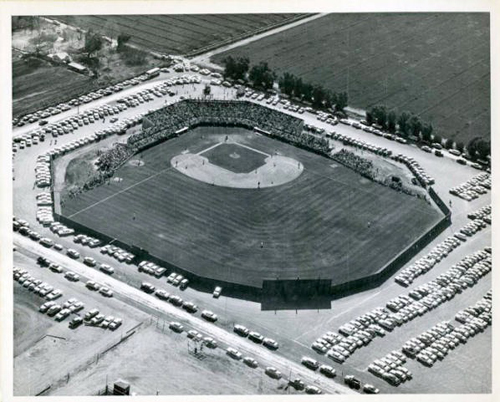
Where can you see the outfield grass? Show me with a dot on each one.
(315, 226)
(434, 65)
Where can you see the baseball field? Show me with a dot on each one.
(435, 65)
(326, 222)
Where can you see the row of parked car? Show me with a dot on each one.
(417, 170)
(117, 253)
(37, 286)
(437, 342)
(274, 373)
(54, 110)
(390, 368)
(483, 213)
(95, 319)
(482, 310)
(177, 301)
(62, 311)
(473, 188)
(346, 140)
(439, 252)
(362, 330)
(255, 337)
(426, 263)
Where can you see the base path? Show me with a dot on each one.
(277, 170)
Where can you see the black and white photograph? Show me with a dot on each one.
(249, 201)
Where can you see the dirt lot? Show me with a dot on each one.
(434, 65)
(38, 84)
(155, 353)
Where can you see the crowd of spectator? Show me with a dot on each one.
(165, 122)
(361, 165)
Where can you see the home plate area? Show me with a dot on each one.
(231, 164)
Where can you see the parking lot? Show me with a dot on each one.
(295, 331)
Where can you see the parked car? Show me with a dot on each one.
(217, 292)
(270, 343)
(255, 337)
(75, 322)
(233, 353)
(250, 362)
(92, 285)
(107, 292)
(107, 269)
(273, 373)
(241, 330)
(176, 327)
(73, 253)
(209, 315)
(71, 276)
(310, 363)
(313, 390)
(352, 381)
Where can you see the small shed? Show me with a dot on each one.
(121, 387)
(77, 67)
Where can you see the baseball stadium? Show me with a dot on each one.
(233, 193)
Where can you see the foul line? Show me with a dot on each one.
(121, 191)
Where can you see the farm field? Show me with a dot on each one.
(178, 34)
(36, 84)
(434, 65)
(315, 225)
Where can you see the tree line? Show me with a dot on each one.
(262, 76)
(405, 124)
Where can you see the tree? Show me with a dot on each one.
(329, 100)
(93, 43)
(262, 76)
(437, 138)
(478, 148)
(415, 126)
(307, 91)
(298, 88)
(342, 99)
(403, 123)
(380, 114)
(241, 68)
(207, 90)
(448, 144)
(318, 96)
(229, 66)
(391, 121)
(287, 83)
(460, 146)
(370, 119)
(122, 40)
(427, 130)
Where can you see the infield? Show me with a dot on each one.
(327, 223)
